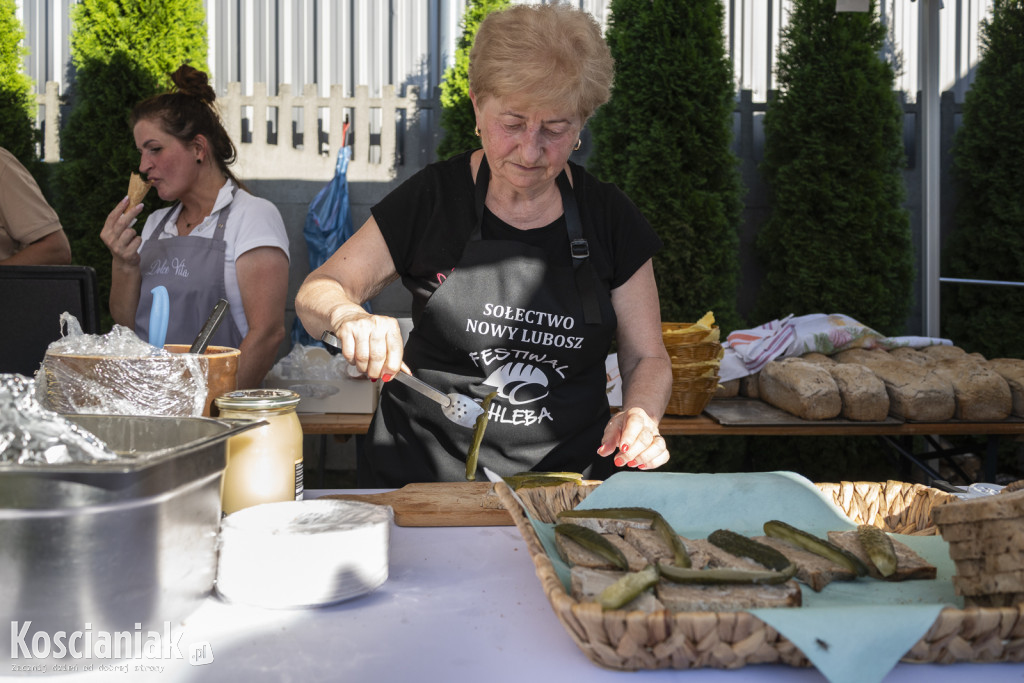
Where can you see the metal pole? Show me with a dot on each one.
(928, 55)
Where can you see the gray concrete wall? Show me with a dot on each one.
(292, 198)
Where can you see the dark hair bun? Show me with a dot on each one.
(191, 81)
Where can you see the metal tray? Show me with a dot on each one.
(111, 545)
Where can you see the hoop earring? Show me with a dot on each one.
(476, 131)
(579, 143)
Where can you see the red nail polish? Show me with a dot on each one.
(386, 378)
(624, 447)
(641, 467)
(619, 461)
(373, 379)
(631, 463)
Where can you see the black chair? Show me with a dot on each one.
(32, 299)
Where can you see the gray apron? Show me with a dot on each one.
(192, 270)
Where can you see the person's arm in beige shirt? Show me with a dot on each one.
(51, 250)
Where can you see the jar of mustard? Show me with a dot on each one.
(264, 464)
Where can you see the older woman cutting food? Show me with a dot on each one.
(523, 269)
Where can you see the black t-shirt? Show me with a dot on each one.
(428, 219)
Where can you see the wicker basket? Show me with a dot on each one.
(662, 640)
(684, 333)
(688, 403)
(689, 353)
(706, 370)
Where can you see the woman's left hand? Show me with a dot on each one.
(635, 434)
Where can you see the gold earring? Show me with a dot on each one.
(477, 131)
(579, 143)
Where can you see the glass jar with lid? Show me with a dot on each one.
(264, 464)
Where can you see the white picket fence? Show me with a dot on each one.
(282, 135)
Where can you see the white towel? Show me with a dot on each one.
(747, 351)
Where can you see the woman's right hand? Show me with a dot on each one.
(371, 343)
(119, 235)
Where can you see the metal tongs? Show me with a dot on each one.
(459, 408)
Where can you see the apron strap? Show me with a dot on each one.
(163, 222)
(579, 248)
(483, 179)
(222, 221)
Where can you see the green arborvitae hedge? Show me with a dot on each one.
(458, 121)
(17, 133)
(122, 53)
(988, 155)
(838, 239)
(665, 140)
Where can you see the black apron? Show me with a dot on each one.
(192, 270)
(509, 318)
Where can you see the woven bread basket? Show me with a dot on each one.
(689, 401)
(690, 371)
(661, 640)
(686, 333)
(689, 353)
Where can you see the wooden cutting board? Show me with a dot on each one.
(440, 504)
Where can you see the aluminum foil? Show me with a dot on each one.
(32, 435)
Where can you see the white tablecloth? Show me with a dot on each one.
(459, 603)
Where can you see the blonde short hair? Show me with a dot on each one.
(551, 55)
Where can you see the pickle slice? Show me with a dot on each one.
(725, 575)
(478, 437)
(594, 542)
(680, 556)
(879, 547)
(526, 480)
(628, 588)
(819, 546)
(738, 544)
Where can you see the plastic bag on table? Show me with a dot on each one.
(312, 362)
(119, 374)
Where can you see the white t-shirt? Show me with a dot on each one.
(253, 222)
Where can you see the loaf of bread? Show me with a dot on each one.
(939, 351)
(804, 389)
(728, 389)
(750, 385)
(905, 353)
(863, 395)
(916, 392)
(1012, 370)
(866, 357)
(981, 393)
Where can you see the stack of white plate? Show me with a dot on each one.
(303, 553)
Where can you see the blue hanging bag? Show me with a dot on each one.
(328, 225)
